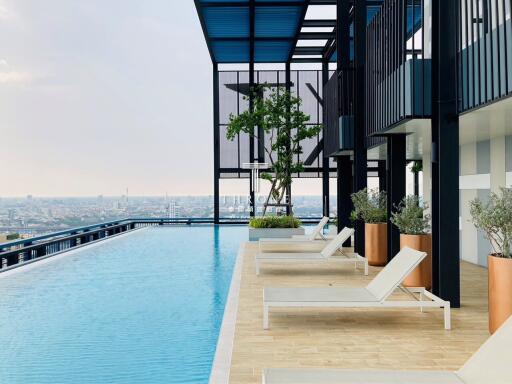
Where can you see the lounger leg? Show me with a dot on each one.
(421, 300)
(265, 316)
(447, 316)
(366, 267)
(257, 268)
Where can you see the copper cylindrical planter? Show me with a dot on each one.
(500, 288)
(376, 244)
(422, 275)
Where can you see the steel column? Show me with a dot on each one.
(216, 144)
(396, 166)
(445, 153)
(360, 154)
(252, 158)
(288, 86)
(344, 190)
(325, 159)
(344, 72)
(382, 175)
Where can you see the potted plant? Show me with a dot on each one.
(370, 206)
(274, 227)
(414, 227)
(278, 116)
(494, 218)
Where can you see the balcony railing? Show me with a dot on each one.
(398, 65)
(16, 253)
(485, 49)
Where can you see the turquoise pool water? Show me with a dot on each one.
(143, 308)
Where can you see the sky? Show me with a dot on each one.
(97, 96)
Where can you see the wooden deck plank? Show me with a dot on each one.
(350, 338)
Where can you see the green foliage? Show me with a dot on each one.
(409, 217)
(277, 113)
(494, 218)
(275, 222)
(369, 206)
(13, 236)
(417, 167)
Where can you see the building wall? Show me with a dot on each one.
(485, 167)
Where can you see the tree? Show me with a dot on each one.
(285, 126)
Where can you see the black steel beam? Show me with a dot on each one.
(345, 168)
(261, 38)
(242, 4)
(445, 153)
(316, 35)
(288, 86)
(299, 27)
(311, 23)
(360, 153)
(216, 146)
(382, 175)
(396, 166)
(325, 159)
(309, 50)
(252, 23)
(322, 2)
(344, 190)
(305, 60)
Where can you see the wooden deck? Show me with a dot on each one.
(353, 338)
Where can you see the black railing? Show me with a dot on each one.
(19, 252)
(485, 49)
(398, 66)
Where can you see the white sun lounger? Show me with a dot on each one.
(374, 295)
(317, 233)
(326, 255)
(491, 364)
(315, 236)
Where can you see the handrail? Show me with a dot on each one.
(61, 233)
(194, 220)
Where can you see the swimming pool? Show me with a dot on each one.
(142, 308)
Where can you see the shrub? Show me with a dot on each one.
(275, 222)
(409, 217)
(369, 206)
(495, 219)
(12, 236)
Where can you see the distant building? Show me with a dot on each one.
(173, 210)
(11, 214)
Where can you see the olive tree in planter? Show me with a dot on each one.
(494, 218)
(370, 206)
(414, 226)
(285, 126)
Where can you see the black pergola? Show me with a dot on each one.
(265, 31)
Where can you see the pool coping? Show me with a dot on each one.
(222, 361)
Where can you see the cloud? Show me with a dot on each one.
(8, 76)
(15, 77)
(4, 13)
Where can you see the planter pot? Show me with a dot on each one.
(376, 243)
(274, 233)
(500, 288)
(422, 275)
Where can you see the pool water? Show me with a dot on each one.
(142, 308)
